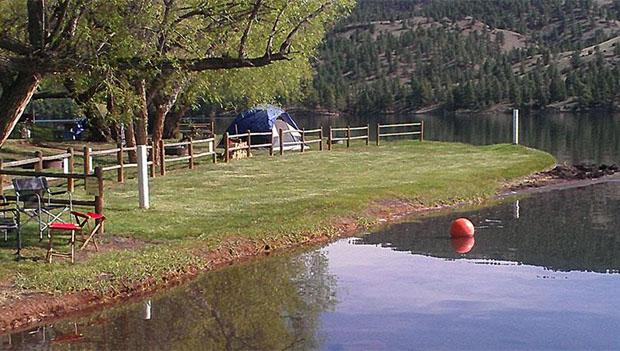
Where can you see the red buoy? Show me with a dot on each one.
(463, 245)
(461, 228)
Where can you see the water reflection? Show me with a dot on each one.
(530, 280)
(270, 305)
(574, 229)
(462, 245)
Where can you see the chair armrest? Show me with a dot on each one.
(79, 214)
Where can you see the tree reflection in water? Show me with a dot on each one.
(272, 304)
(572, 229)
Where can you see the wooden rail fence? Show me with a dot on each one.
(334, 133)
(191, 156)
(247, 137)
(414, 129)
(308, 137)
(95, 188)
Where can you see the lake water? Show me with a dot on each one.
(542, 273)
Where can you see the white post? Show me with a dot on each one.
(515, 127)
(516, 210)
(148, 308)
(90, 160)
(143, 176)
(65, 165)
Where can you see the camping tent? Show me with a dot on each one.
(267, 119)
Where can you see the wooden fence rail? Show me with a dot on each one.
(416, 128)
(191, 156)
(348, 136)
(95, 189)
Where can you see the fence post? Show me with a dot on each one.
(99, 197)
(212, 128)
(321, 139)
(143, 177)
(515, 127)
(271, 146)
(212, 148)
(329, 139)
(120, 172)
(39, 165)
(87, 162)
(1, 178)
(226, 148)
(422, 131)
(367, 134)
(280, 133)
(190, 152)
(378, 133)
(70, 166)
(153, 157)
(162, 158)
(99, 200)
(303, 139)
(348, 136)
(249, 143)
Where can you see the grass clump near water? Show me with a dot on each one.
(270, 199)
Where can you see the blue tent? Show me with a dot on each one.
(263, 120)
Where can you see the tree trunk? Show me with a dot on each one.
(141, 115)
(130, 141)
(14, 101)
(173, 122)
(99, 129)
(163, 105)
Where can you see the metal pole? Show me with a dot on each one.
(515, 127)
(143, 176)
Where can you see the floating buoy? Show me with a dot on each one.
(461, 227)
(463, 245)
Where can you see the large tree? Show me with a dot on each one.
(152, 46)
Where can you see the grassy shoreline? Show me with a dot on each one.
(242, 207)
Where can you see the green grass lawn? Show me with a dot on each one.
(267, 198)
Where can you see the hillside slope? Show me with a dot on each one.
(412, 55)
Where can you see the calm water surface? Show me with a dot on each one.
(542, 273)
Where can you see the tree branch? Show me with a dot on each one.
(52, 95)
(14, 45)
(248, 28)
(274, 30)
(289, 39)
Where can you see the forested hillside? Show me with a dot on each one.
(412, 55)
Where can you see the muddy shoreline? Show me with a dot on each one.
(32, 309)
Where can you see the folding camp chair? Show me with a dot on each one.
(91, 221)
(55, 227)
(35, 199)
(9, 221)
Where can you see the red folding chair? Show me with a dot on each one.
(91, 221)
(55, 227)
